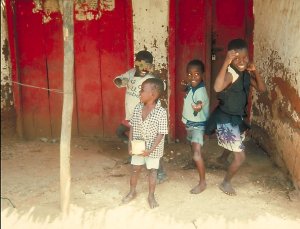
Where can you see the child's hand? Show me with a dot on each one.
(251, 67)
(118, 82)
(197, 107)
(121, 82)
(146, 153)
(130, 152)
(129, 148)
(231, 55)
(184, 83)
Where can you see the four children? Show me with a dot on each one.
(149, 119)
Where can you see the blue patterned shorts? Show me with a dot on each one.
(229, 137)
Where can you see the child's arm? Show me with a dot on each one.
(224, 78)
(159, 137)
(184, 85)
(256, 80)
(122, 80)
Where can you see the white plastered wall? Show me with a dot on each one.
(277, 56)
(150, 28)
(6, 93)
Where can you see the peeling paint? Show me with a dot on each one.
(84, 9)
(92, 9)
(46, 8)
(150, 29)
(150, 23)
(6, 91)
(276, 54)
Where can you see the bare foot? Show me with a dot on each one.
(152, 201)
(129, 197)
(198, 188)
(227, 188)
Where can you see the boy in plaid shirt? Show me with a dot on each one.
(148, 123)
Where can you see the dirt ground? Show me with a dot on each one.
(30, 190)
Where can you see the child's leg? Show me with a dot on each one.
(152, 185)
(237, 147)
(152, 166)
(122, 131)
(223, 159)
(225, 186)
(161, 174)
(136, 170)
(196, 147)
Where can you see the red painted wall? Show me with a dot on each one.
(102, 49)
(32, 70)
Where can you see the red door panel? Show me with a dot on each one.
(116, 57)
(32, 68)
(88, 77)
(102, 49)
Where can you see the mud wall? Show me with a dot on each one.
(150, 32)
(150, 28)
(276, 114)
(6, 91)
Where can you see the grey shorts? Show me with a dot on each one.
(195, 134)
(151, 163)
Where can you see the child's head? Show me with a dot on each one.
(143, 63)
(242, 59)
(195, 72)
(151, 90)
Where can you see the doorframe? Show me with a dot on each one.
(172, 61)
(208, 62)
(172, 70)
(10, 7)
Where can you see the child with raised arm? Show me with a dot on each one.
(232, 84)
(194, 116)
(133, 80)
(148, 125)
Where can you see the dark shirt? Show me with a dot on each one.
(232, 105)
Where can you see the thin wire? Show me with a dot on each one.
(43, 88)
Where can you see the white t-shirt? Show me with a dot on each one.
(233, 73)
(133, 86)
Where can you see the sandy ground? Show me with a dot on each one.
(30, 191)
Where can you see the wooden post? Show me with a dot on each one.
(66, 126)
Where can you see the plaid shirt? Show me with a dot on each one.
(147, 130)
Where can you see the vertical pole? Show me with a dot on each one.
(65, 171)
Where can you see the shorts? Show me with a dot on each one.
(195, 134)
(151, 163)
(229, 137)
